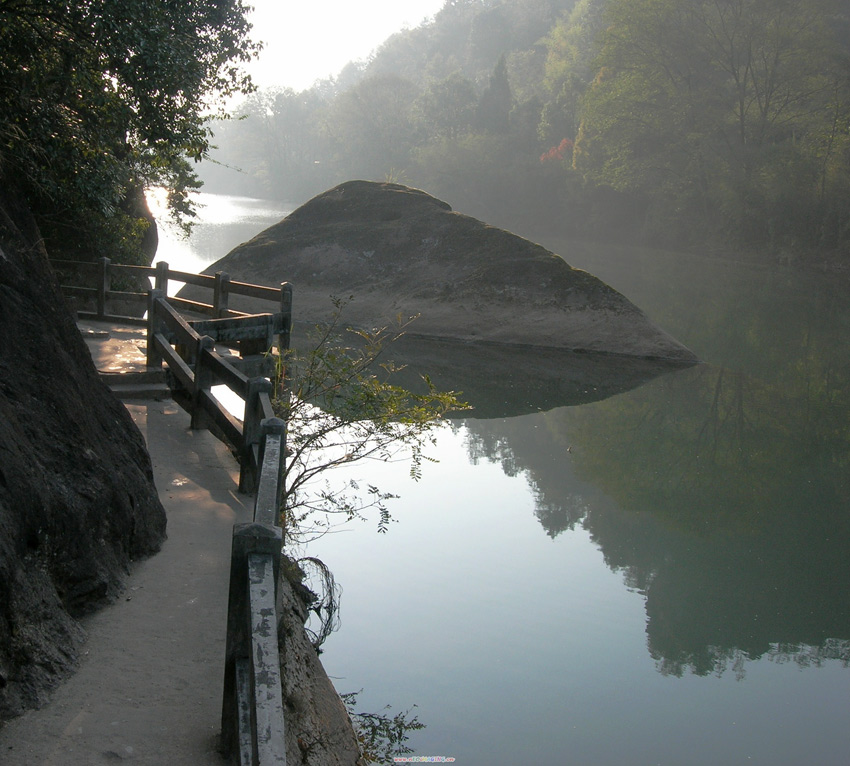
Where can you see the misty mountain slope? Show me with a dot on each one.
(399, 251)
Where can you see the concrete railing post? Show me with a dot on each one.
(204, 380)
(104, 284)
(251, 433)
(221, 294)
(272, 471)
(251, 543)
(155, 325)
(284, 337)
(161, 277)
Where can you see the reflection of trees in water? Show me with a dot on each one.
(723, 498)
(719, 660)
(524, 445)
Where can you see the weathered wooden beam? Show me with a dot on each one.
(225, 373)
(179, 328)
(265, 664)
(229, 427)
(117, 318)
(181, 371)
(265, 406)
(255, 366)
(247, 539)
(125, 295)
(193, 306)
(252, 434)
(141, 271)
(221, 293)
(201, 280)
(271, 473)
(232, 329)
(86, 292)
(255, 291)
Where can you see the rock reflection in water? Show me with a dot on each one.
(502, 380)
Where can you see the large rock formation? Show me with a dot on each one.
(77, 500)
(397, 250)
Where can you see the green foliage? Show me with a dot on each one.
(341, 408)
(496, 102)
(448, 106)
(570, 52)
(381, 738)
(703, 108)
(99, 98)
(373, 126)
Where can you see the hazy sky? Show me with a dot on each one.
(308, 40)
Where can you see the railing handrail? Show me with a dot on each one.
(220, 283)
(199, 367)
(252, 723)
(252, 712)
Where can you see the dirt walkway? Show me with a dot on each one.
(149, 688)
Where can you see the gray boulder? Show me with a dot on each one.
(398, 251)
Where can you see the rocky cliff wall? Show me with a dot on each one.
(77, 499)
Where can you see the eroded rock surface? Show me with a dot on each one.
(398, 251)
(318, 728)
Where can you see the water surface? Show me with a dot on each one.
(612, 566)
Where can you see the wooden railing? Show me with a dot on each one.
(195, 367)
(252, 717)
(99, 293)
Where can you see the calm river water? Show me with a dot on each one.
(658, 575)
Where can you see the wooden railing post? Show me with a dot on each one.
(251, 433)
(155, 324)
(254, 728)
(284, 337)
(272, 471)
(221, 294)
(204, 380)
(161, 277)
(104, 283)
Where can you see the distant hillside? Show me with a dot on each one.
(628, 120)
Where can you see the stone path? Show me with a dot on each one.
(149, 687)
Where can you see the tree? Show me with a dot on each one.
(704, 106)
(570, 51)
(494, 107)
(341, 407)
(373, 126)
(101, 99)
(448, 106)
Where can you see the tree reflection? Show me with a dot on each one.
(720, 496)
